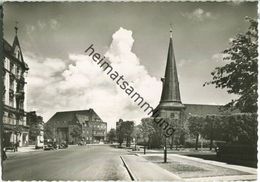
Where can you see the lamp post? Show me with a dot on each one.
(165, 150)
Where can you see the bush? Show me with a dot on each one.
(192, 144)
(237, 152)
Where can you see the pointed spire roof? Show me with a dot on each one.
(16, 45)
(16, 41)
(171, 92)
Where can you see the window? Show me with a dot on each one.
(11, 100)
(18, 72)
(11, 67)
(5, 63)
(11, 82)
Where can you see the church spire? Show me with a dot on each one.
(16, 27)
(171, 92)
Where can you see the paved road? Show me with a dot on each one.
(75, 163)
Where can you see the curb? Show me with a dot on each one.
(133, 178)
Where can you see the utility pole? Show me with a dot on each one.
(165, 150)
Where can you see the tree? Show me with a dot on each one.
(137, 134)
(179, 136)
(111, 135)
(196, 124)
(124, 131)
(148, 130)
(239, 76)
(76, 133)
(238, 128)
(215, 127)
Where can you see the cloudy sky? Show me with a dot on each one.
(135, 37)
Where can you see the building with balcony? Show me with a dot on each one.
(14, 116)
(76, 126)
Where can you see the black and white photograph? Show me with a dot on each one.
(129, 91)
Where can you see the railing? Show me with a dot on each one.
(7, 120)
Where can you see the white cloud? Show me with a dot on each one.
(198, 15)
(54, 86)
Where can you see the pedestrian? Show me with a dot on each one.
(4, 154)
(16, 146)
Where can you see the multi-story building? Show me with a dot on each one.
(14, 116)
(74, 126)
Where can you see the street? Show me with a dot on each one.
(74, 163)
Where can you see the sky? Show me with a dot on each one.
(134, 37)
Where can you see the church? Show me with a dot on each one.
(170, 107)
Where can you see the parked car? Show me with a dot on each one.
(63, 145)
(81, 143)
(49, 145)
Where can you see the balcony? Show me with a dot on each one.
(98, 134)
(10, 121)
(19, 95)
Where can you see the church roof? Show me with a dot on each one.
(205, 109)
(171, 92)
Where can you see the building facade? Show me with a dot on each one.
(14, 116)
(76, 126)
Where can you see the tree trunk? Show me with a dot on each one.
(197, 142)
(171, 146)
(211, 137)
(211, 144)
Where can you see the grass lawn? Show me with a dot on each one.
(191, 169)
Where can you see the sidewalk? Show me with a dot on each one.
(142, 170)
(29, 148)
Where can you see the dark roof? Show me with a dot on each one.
(70, 115)
(203, 109)
(7, 46)
(171, 91)
(9, 51)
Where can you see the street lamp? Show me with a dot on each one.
(165, 149)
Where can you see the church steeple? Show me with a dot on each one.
(171, 93)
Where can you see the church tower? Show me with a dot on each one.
(170, 105)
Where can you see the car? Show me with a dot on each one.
(63, 145)
(49, 145)
(80, 143)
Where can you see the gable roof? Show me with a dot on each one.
(9, 52)
(68, 116)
